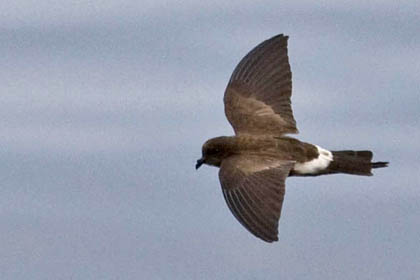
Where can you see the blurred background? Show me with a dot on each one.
(104, 106)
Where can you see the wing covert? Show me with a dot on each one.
(254, 189)
(257, 98)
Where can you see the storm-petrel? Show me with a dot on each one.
(256, 161)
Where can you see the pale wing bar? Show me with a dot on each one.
(260, 89)
(255, 198)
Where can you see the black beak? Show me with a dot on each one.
(199, 163)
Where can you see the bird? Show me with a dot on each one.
(255, 162)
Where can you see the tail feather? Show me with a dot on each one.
(379, 164)
(354, 162)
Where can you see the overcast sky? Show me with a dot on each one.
(104, 106)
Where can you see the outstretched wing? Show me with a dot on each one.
(257, 98)
(254, 189)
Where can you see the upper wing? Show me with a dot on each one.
(257, 98)
(254, 189)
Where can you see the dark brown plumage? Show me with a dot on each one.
(255, 163)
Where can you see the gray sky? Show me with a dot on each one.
(104, 106)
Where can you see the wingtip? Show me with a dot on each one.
(274, 239)
(281, 35)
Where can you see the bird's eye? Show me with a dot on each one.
(213, 151)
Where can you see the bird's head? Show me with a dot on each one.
(214, 151)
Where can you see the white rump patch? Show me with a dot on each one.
(315, 165)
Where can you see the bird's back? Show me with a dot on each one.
(284, 148)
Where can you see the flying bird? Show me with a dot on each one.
(255, 163)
